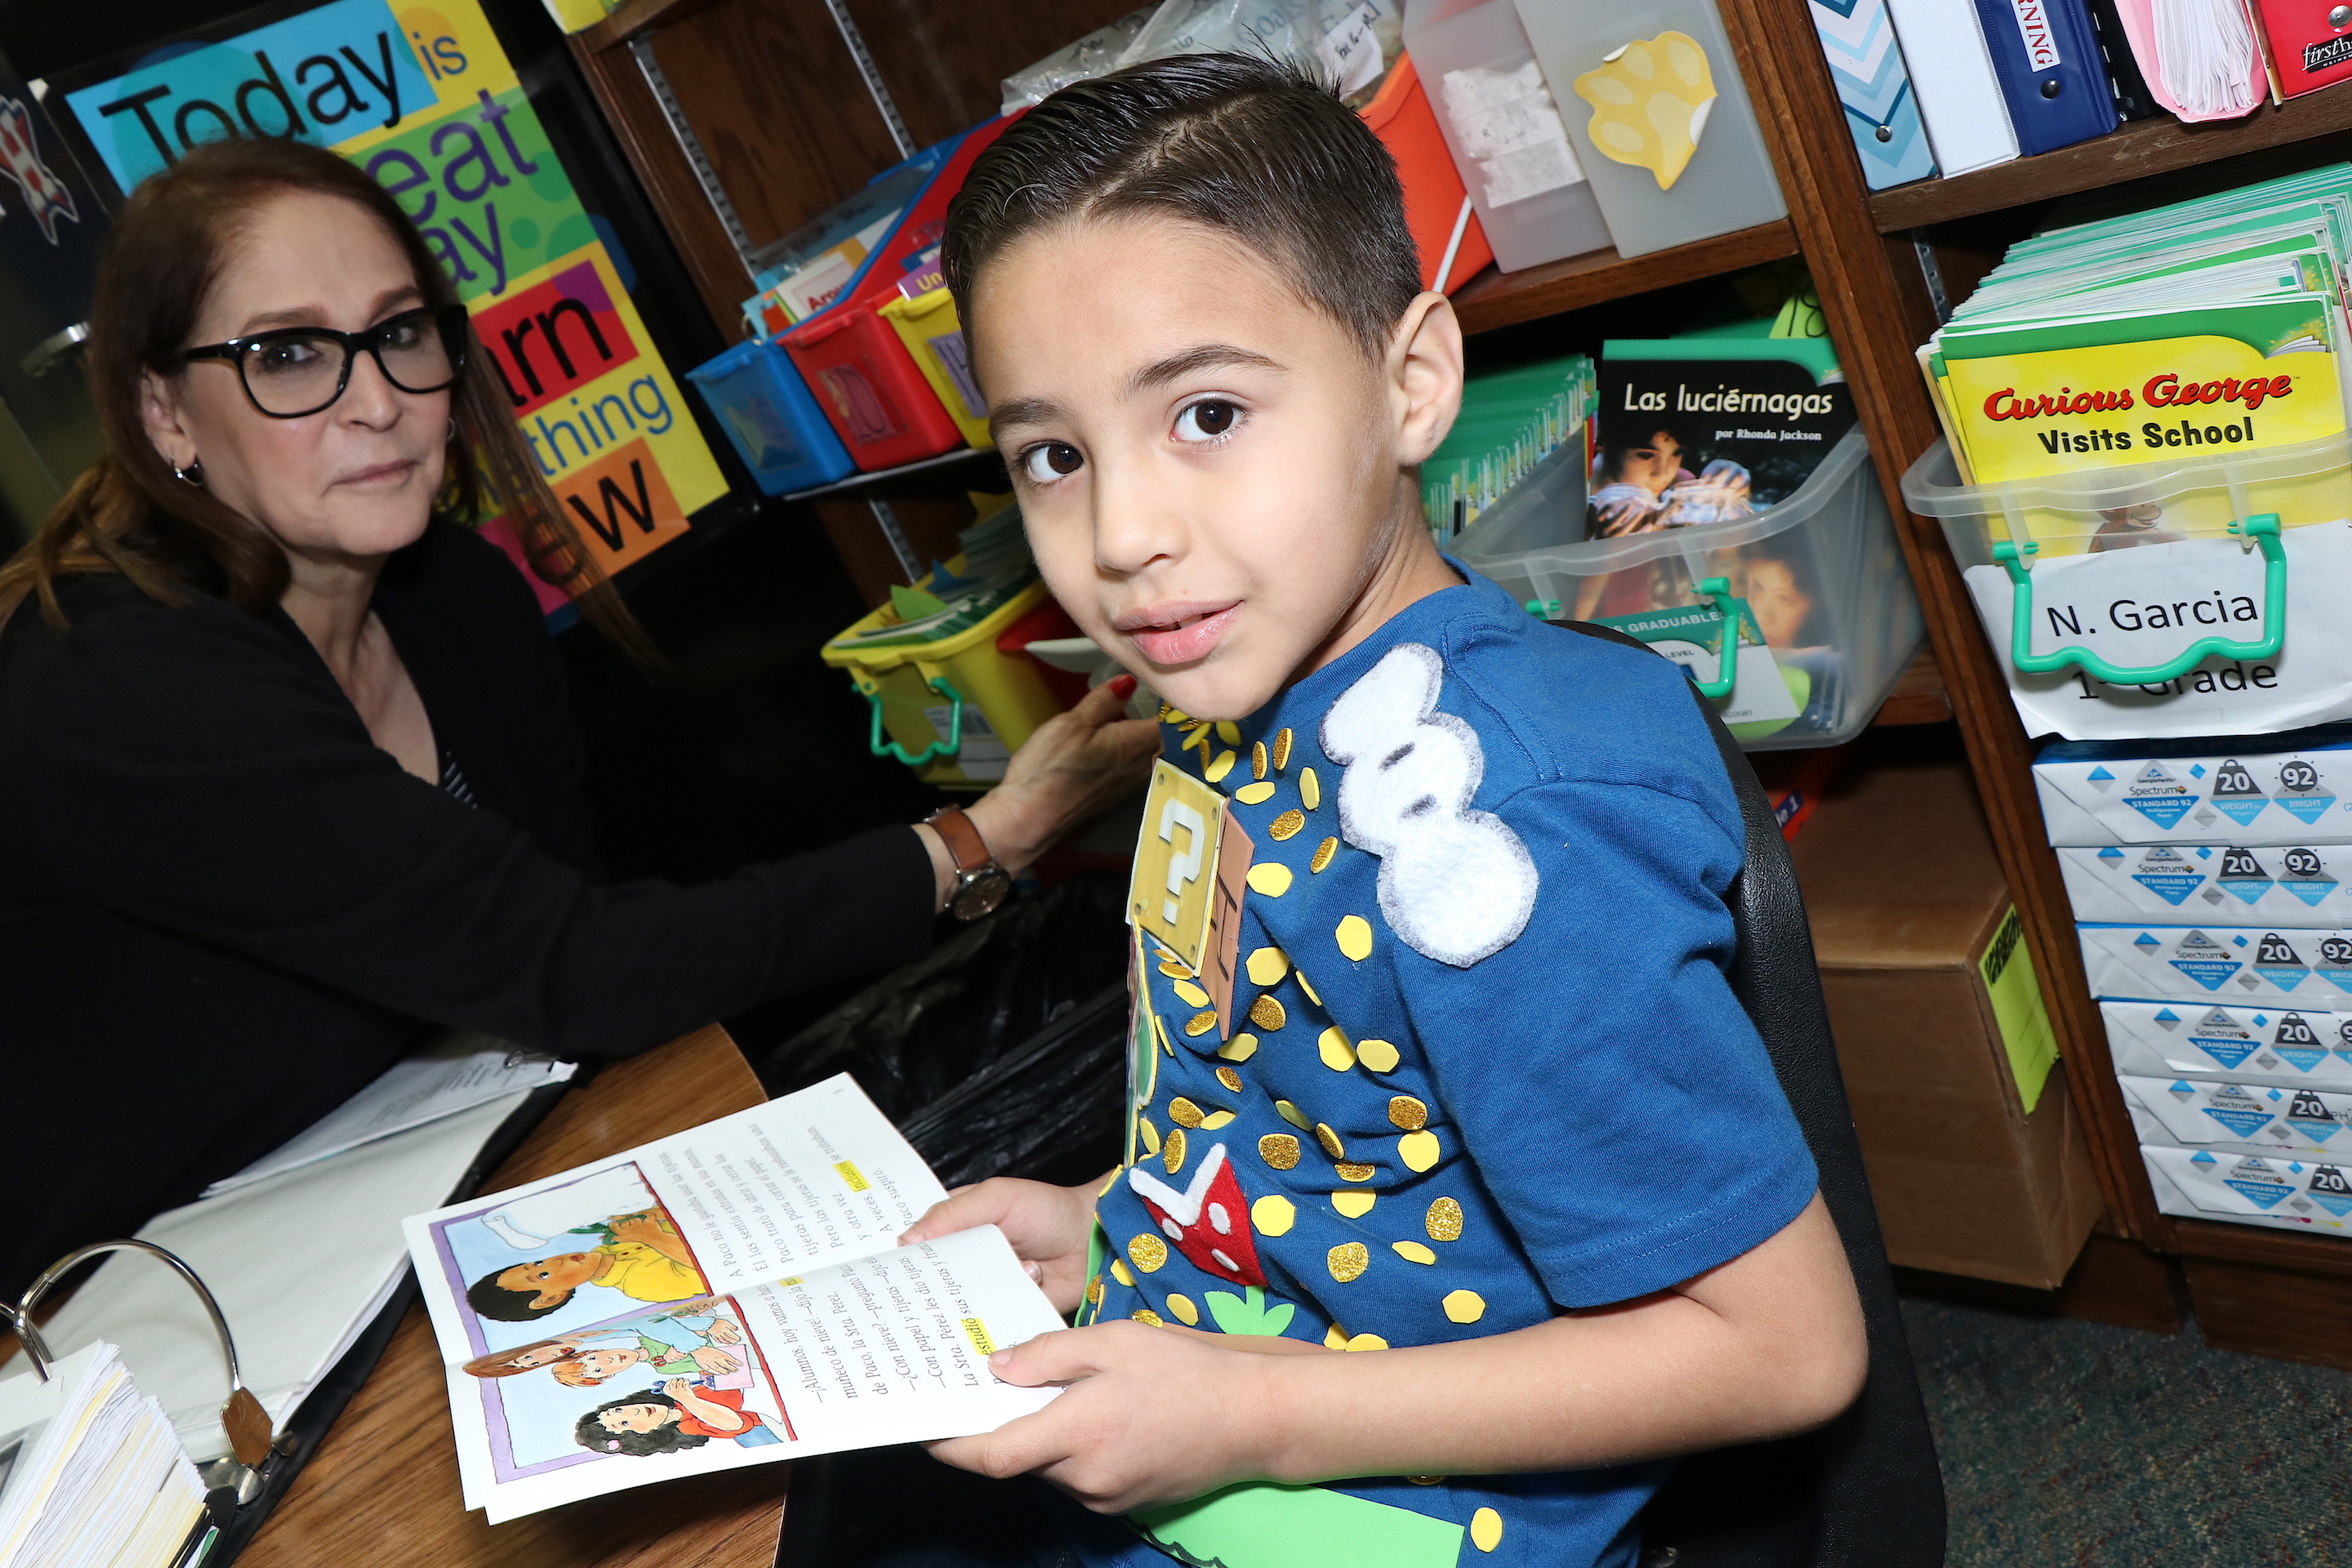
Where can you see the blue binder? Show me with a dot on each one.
(1866, 67)
(2052, 73)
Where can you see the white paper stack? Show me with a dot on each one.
(91, 1474)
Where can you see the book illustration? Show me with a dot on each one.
(1694, 433)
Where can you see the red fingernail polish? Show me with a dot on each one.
(1122, 686)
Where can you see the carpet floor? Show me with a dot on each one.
(2072, 1444)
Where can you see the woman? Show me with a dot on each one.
(286, 777)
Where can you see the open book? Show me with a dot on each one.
(724, 1297)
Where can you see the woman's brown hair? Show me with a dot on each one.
(130, 514)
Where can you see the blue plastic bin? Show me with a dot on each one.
(769, 415)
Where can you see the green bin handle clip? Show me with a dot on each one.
(2262, 530)
(1716, 591)
(883, 746)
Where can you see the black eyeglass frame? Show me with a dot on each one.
(449, 320)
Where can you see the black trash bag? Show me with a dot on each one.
(1001, 1052)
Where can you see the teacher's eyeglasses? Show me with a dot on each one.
(295, 371)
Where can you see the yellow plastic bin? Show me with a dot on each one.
(927, 323)
(955, 709)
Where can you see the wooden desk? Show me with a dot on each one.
(382, 1489)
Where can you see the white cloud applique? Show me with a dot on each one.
(1455, 884)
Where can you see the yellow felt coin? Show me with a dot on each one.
(1303, 986)
(1274, 1215)
(1378, 1055)
(1180, 1308)
(1333, 1047)
(1418, 1149)
(1292, 1114)
(1310, 789)
(1240, 1048)
(1413, 1252)
(1649, 103)
(1366, 1343)
(1219, 768)
(1330, 1141)
(1464, 1306)
(1355, 1205)
(1267, 965)
(1335, 1337)
(1229, 732)
(1192, 994)
(1214, 1119)
(1355, 936)
(1270, 879)
(1255, 794)
(1148, 1133)
(1119, 1272)
(1485, 1530)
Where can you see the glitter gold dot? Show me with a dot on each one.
(1267, 965)
(1267, 1014)
(1199, 1024)
(1149, 1134)
(1334, 1049)
(1274, 1215)
(1355, 1205)
(1146, 1315)
(1418, 1149)
(1279, 1149)
(1355, 938)
(1485, 1530)
(1174, 970)
(1281, 748)
(1300, 975)
(1229, 732)
(1257, 794)
(1270, 879)
(1330, 1141)
(1287, 824)
(1171, 1153)
(1094, 1292)
(1335, 1337)
(1173, 715)
(1408, 1113)
(1310, 788)
(1214, 1119)
(1323, 854)
(1240, 1048)
(1348, 1260)
(1292, 1114)
(1413, 1252)
(1180, 1308)
(1378, 1055)
(1147, 1252)
(1183, 1112)
(1352, 1171)
(1460, 1305)
(1192, 995)
(1218, 769)
(1231, 1079)
(1443, 1222)
(1257, 759)
(1365, 1343)
(1119, 1272)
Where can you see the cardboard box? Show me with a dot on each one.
(1975, 1155)
(2302, 887)
(2277, 1192)
(2240, 965)
(2246, 1117)
(2248, 791)
(2283, 1049)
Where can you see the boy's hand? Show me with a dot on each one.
(717, 1362)
(1047, 1226)
(723, 1332)
(1120, 1437)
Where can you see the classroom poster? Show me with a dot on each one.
(424, 98)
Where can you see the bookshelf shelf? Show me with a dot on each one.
(2132, 152)
(1496, 299)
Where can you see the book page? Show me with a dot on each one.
(888, 1348)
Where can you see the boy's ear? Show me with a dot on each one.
(1425, 376)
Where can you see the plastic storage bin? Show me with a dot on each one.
(2198, 596)
(1446, 229)
(954, 710)
(878, 403)
(1830, 620)
(927, 323)
(774, 423)
(1630, 91)
(1506, 136)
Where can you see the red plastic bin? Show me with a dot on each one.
(877, 400)
(1434, 200)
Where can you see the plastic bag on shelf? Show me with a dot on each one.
(1094, 55)
(1354, 41)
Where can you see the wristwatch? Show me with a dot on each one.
(981, 883)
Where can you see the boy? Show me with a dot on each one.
(1490, 1111)
(643, 1257)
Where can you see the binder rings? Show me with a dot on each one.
(2052, 73)
(1867, 66)
(1952, 75)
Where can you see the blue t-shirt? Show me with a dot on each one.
(1485, 1066)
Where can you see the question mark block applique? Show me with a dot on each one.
(1649, 103)
(1192, 866)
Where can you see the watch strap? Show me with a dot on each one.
(965, 847)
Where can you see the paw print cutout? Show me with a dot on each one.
(1649, 103)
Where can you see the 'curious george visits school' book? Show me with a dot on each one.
(725, 1297)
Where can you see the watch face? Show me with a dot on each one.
(979, 892)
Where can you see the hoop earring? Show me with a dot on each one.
(453, 427)
(193, 474)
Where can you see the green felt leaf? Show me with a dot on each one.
(1261, 1525)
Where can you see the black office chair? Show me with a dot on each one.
(1863, 1491)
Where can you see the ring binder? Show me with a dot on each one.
(242, 1417)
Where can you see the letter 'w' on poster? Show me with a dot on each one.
(425, 100)
(1192, 866)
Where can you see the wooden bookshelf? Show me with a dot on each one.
(2132, 152)
(1495, 299)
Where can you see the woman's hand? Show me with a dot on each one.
(1077, 764)
(1047, 1226)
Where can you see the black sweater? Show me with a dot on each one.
(223, 909)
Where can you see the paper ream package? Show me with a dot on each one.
(2249, 1118)
(2276, 1191)
(2256, 791)
(2285, 1048)
(2218, 963)
(2302, 887)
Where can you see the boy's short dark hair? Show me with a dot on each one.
(1262, 149)
(504, 1304)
